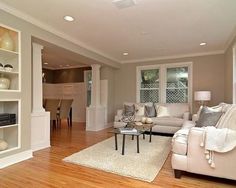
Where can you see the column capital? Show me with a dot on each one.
(36, 45)
(96, 66)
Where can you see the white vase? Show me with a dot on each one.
(143, 120)
(149, 120)
(4, 83)
(7, 43)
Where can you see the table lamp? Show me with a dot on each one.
(202, 97)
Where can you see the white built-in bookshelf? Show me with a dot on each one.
(10, 133)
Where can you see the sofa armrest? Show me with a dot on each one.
(119, 112)
(186, 116)
(119, 115)
(194, 140)
(194, 118)
(118, 118)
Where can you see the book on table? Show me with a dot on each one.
(128, 130)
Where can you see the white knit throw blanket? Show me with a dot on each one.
(221, 139)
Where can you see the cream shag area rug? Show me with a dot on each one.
(143, 166)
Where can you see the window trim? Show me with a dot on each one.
(162, 76)
(234, 74)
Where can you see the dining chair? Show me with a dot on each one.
(52, 106)
(44, 102)
(64, 111)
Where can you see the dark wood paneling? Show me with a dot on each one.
(65, 75)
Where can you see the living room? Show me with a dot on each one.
(176, 48)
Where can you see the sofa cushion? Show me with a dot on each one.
(129, 110)
(168, 121)
(176, 109)
(162, 111)
(150, 111)
(139, 109)
(208, 117)
(179, 144)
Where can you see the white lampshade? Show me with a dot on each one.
(202, 96)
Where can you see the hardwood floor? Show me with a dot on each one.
(47, 169)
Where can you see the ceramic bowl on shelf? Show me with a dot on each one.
(4, 83)
(1, 67)
(8, 68)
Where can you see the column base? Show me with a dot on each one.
(40, 130)
(95, 118)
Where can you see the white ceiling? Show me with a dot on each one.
(151, 29)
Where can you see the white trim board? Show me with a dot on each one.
(16, 158)
(234, 74)
(219, 52)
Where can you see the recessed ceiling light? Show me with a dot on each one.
(125, 53)
(203, 43)
(144, 33)
(45, 63)
(68, 18)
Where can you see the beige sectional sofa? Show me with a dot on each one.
(188, 154)
(178, 114)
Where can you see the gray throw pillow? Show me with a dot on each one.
(150, 111)
(129, 110)
(208, 118)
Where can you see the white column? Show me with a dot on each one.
(96, 87)
(37, 79)
(40, 120)
(95, 113)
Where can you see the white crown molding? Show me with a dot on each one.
(15, 158)
(230, 40)
(51, 29)
(174, 57)
(63, 35)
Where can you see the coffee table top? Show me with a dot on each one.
(117, 131)
(140, 128)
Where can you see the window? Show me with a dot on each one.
(165, 83)
(149, 90)
(177, 85)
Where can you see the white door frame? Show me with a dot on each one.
(234, 73)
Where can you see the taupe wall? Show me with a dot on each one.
(208, 74)
(229, 73)
(65, 75)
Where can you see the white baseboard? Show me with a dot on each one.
(39, 146)
(16, 158)
(110, 124)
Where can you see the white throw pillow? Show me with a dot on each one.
(139, 109)
(162, 111)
